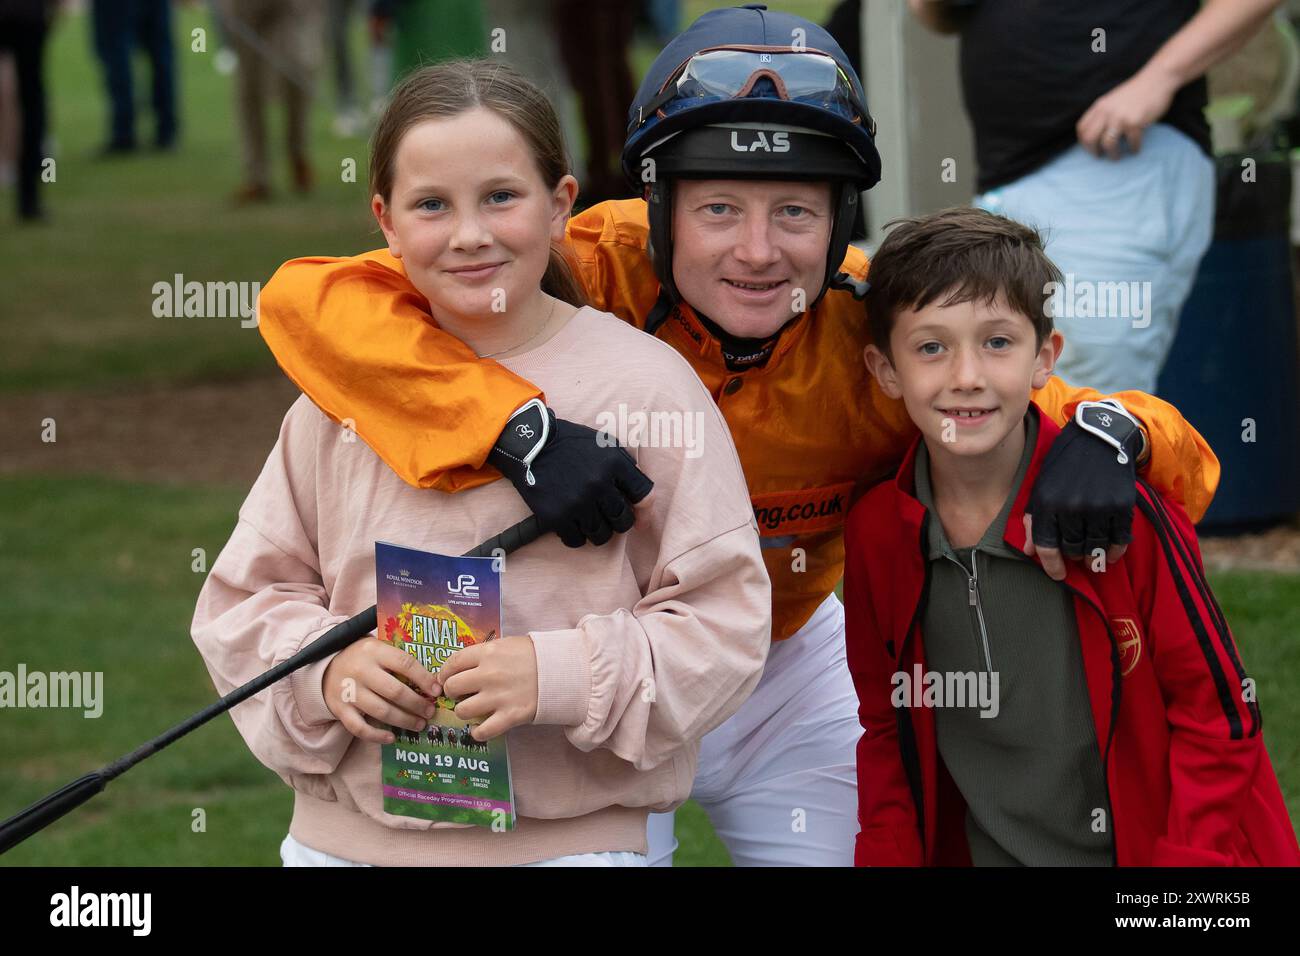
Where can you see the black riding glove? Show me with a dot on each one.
(1084, 496)
(578, 482)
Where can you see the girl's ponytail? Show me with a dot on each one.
(560, 281)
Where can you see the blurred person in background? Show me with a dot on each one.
(24, 25)
(594, 37)
(117, 26)
(225, 60)
(844, 23)
(379, 20)
(420, 32)
(348, 120)
(279, 44)
(529, 40)
(406, 34)
(10, 120)
(1089, 126)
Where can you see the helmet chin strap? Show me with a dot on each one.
(738, 352)
(742, 353)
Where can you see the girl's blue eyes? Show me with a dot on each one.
(926, 348)
(437, 205)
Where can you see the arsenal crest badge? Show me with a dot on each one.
(1129, 639)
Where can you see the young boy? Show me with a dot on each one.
(1009, 719)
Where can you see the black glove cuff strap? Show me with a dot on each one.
(1111, 422)
(521, 441)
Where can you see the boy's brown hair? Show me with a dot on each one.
(958, 255)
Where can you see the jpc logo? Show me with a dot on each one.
(464, 586)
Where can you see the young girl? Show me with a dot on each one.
(617, 659)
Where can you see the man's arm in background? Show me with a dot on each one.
(1218, 30)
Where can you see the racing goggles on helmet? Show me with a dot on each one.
(804, 76)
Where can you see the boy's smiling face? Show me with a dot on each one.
(964, 371)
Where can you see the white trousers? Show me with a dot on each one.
(294, 853)
(779, 778)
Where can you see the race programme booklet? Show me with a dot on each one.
(430, 606)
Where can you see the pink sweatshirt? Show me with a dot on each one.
(643, 645)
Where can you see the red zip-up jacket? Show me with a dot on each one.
(1189, 780)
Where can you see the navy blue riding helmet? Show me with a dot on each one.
(747, 93)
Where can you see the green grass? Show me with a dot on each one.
(96, 575)
(1263, 611)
